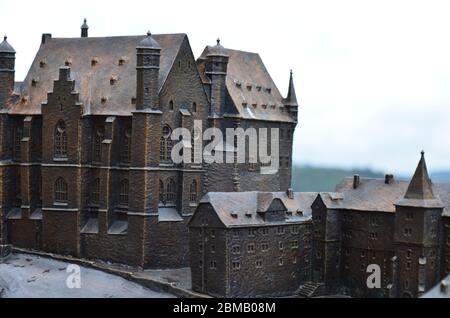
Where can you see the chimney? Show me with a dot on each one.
(388, 179)
(45, 38)
(356, 181)
(84, 29)
(290, 193)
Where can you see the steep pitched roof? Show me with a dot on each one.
(94, 61)
(420, 189)
(252, 91)
(376, 196)
(240, 209)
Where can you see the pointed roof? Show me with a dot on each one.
(218, 50)
(420, 189)
(5, 47)
(291, 99)
(84, 25)
(149, 43)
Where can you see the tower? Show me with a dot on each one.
(217, 71)
(7, 61)
(145, 144)
(147, 88)
(84, 29)
(416, 237)
(291, 100)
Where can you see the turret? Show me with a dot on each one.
(7, 62)
(84, 29)
(147, 86)
(290, 101)
(217, 72)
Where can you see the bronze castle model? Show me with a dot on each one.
(86, 170)
(85, 143)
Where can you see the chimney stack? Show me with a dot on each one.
(356, 181)
(388, 179)
(290, 193)
(84, 29)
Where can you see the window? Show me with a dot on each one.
(166, 144)
(170, 193)
(60, 150)
(60, 191)
(161, 192)
(236, 249)
(294, 244)
(251, 248)
(236, 265)
(409, 216)
(294, 229)
(408, 254)
(264, 247)
(259, 263)
(265, 231)
(194, 107)
(200, 247)
(126, 146)
(193, 192)
(252, 232)
(236, 233)
(124, 190)
(171, 105)
(280, 230)
(213, 248)
(408, 265)
(213, 265)
(280, 261)
(373, 235)
(213, 233)
(281, 245)
(294, 260)
(95, 191)
(98, 138)
(18, 134)
(407, 231)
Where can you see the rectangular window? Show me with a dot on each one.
(236, 233)
(251, 248)
(294, 229)
(213, 248)
(294, 244)
(213, 265)
(280, 230)
(213, 233)
(281, 245)
(235, 265)
(236, 249)
(259, 263)
(251, 232)
(280, 261)
(264, 247)
(265, 231)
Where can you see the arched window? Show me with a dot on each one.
(61, 191)
(171, 191)
(171, 105)
(95, 191)
(166, 144)
(126, 146)
(124, 190)
(194, 107)
(161, 192)
(98, 138)
(193, 192)
(18, 134)
(60, 150)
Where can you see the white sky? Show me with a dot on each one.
(372, 77)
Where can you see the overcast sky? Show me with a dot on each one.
(372, 77)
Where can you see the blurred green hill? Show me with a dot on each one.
(316, 179)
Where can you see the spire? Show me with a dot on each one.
(291, 99)
(149, 43)
(420, 186)
(84, 29)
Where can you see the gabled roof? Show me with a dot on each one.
(240, 209)
(377, 196)
(249, 83)
(93, 82)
